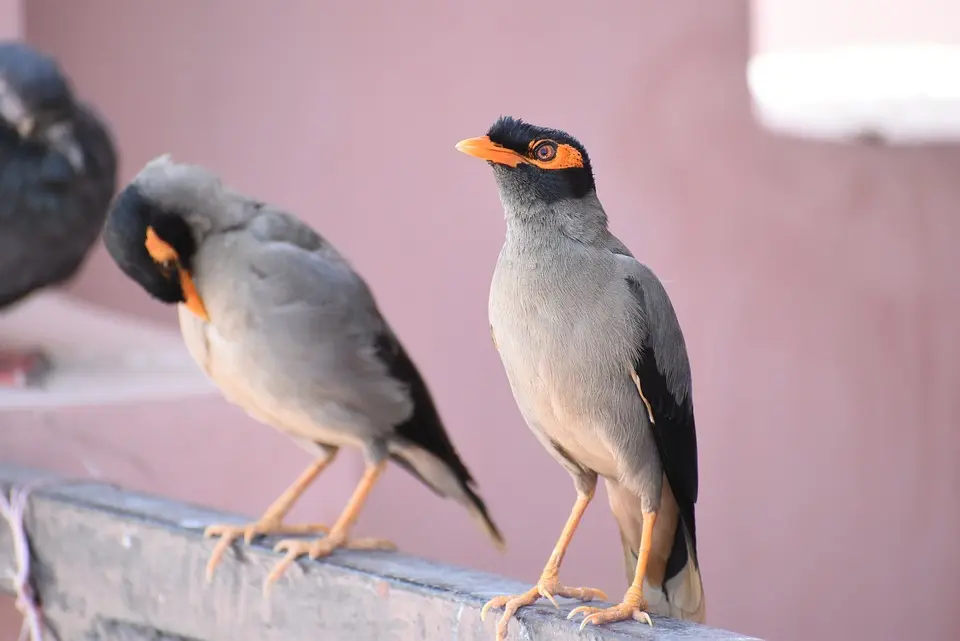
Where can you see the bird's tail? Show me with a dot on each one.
(443, 480)
(680, 594)
(422, 446)
(672, 586)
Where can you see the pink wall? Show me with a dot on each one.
(816, 284)
(11, 19)
(786, 26)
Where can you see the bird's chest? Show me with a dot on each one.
(558, 341)
(550, 316)
(534, 318)
(247, 374)
(231, 365)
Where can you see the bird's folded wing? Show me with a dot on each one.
(663, 370)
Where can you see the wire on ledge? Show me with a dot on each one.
(13, 508)
(27, 603)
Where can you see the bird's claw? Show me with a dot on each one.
(545, 593)
(230, 533)
(620, 612)
(544, 589)
(295, 548)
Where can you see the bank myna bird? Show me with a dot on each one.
(281, 322)
(58, 169)
(597, 363)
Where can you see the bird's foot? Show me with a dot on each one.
(634, 606)
(547, 588)
(23, 368)
(295, 548)
(263, 527)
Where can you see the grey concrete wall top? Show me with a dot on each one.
(111, 564)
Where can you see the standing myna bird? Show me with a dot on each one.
(58, 172)
(597, 363)
(279, 320)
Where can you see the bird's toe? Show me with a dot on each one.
(370, 544)
(546, 588)
(264, 527)
(510, 605)
(294, 549)
(619, 612)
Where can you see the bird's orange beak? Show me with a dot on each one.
(161, 252)
(486, 149)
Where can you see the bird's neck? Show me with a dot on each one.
(581, 219)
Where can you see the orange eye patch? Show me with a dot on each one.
(547, 154)
(162, 253)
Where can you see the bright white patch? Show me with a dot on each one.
(907, 93)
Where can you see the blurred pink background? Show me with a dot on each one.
(817, 284)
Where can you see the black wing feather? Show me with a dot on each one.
(665, 379)
(424, 427)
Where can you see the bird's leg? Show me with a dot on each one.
(23, 367)
(633, 605)
(338, 536)
(549, 584)
(272, 520)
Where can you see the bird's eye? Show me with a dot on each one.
(545, 151)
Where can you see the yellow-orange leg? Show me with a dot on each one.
(633, 605)
(549, 583)
(339, 533)
(272, 520)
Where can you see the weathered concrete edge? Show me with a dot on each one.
(138, 559)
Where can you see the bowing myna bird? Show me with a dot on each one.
(595, 357)
(58, 169)
(284, 326)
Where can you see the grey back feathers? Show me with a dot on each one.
(195, 193)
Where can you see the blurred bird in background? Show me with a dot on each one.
(58, 172)
(287, 329)
(597, 363)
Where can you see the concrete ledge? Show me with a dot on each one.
(111, 564)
